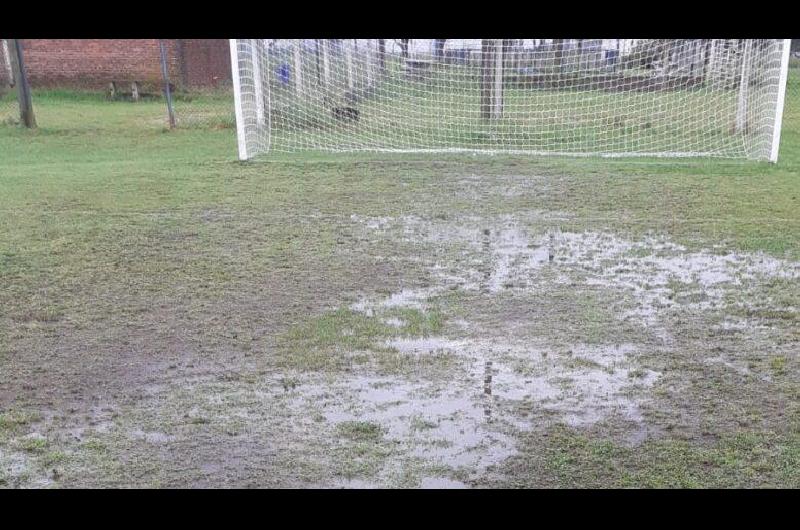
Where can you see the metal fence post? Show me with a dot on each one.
(167, 88)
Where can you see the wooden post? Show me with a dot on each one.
(744, 86)
(348, 59)
(326, 72)
(438, 50)
(707, 60)
(404, 44)
(369, 62)
(497, 93)
(298, 66)
(7, 61)
(382, 55)
(558, 56)
(167, 89)
(491, 79)
(23, 88)
(486, 78)
(317, 62)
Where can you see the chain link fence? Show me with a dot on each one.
(793, 82)
(195, 74)
(205, 108)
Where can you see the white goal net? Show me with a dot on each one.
(582, 97)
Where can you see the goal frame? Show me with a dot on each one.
(261, 96)
(245, 55)
(241, 134)
(778, 123)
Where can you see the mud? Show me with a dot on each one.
(503, 285)
(515, 385)
(468, 424)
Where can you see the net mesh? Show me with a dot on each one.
(608, 97)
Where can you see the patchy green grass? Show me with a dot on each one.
(32, 445)
(778, 365)
(54, 458)
(567, 458)
(340, 339)
(637, 373)
(12, 420)
(360, 430)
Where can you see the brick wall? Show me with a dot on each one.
(206, 62)
(94, 63)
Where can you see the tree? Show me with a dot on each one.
(438, 49)
(558, 57)
(382, 54)
(492, 78)
(706, 58)
(403, 43)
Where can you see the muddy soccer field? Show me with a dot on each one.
(172, 318)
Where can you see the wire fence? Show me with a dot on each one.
(139, 72)
(209, 108)
(793, 85)
(200, 99)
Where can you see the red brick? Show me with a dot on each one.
(94, 63)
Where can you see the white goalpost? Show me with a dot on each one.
(778, 120)
(579, 97)
(251, 87)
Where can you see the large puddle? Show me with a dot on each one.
(516, 385)
(658, 276)
(469, 424)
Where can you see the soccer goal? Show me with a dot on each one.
(578, 97)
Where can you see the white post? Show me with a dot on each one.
(257, 83)
(744, 87)
(298, 67)
(498, 79)
(237, 100)
(776, 131)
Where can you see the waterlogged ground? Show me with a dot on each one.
(172, 318)
(396, 329)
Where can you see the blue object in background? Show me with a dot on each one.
(284, 73)
(611, 57)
